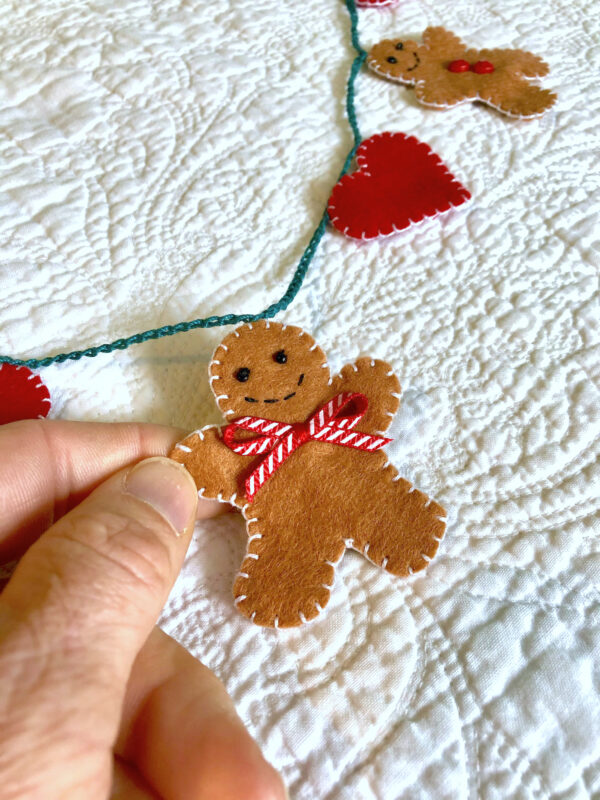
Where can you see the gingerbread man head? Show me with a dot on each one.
(267, 369)
(397, 60)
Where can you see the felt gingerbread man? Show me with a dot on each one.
(301, 457)
(445, 73)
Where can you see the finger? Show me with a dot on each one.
(48, 467)
(76, 612)
(181, 731)
(128, 785)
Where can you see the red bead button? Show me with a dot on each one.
(459, 66)
(483, 67)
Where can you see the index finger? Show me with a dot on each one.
(48, 466)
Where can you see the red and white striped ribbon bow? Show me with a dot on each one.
(279, 440)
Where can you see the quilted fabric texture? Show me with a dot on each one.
(170, 160)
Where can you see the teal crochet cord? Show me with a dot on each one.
(233, 319)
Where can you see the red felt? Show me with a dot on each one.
(22, 394)
(372, 3)
(400, 182)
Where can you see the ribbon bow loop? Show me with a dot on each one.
(332, 422)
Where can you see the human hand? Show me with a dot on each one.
(95, 701)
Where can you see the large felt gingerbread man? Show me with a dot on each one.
(445, 73)
(302, 459)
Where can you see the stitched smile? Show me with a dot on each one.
(275, 399)
(416, 64)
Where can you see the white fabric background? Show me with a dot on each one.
(167, 160)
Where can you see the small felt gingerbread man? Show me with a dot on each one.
(302, 459)
(445, 73)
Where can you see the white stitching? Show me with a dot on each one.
(183, 447)
(418, 223)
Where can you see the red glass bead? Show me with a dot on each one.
(483, 67)
(459, 66)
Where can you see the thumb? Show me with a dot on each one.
(82, 602)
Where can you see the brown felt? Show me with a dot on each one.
(324, 498)
(508, 88)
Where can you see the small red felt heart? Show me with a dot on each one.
(400, 182)
(22, 394)
(373, 3)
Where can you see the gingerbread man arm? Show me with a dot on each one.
(377, 381)
(442, 42)
(518, 62)
(215, 468)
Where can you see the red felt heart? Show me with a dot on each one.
(400, 182)
(22, 394)
(372, 3)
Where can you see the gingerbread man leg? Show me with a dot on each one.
(284, 580)
(523, 101)
(403, 527)
(442, 95)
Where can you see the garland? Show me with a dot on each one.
(233, 319)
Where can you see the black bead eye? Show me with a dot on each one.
(399, 46)
(280, 357)
(242, 374)
(392, 60)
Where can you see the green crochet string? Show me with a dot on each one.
(233, 319)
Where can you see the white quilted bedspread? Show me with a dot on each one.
(168, 160)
